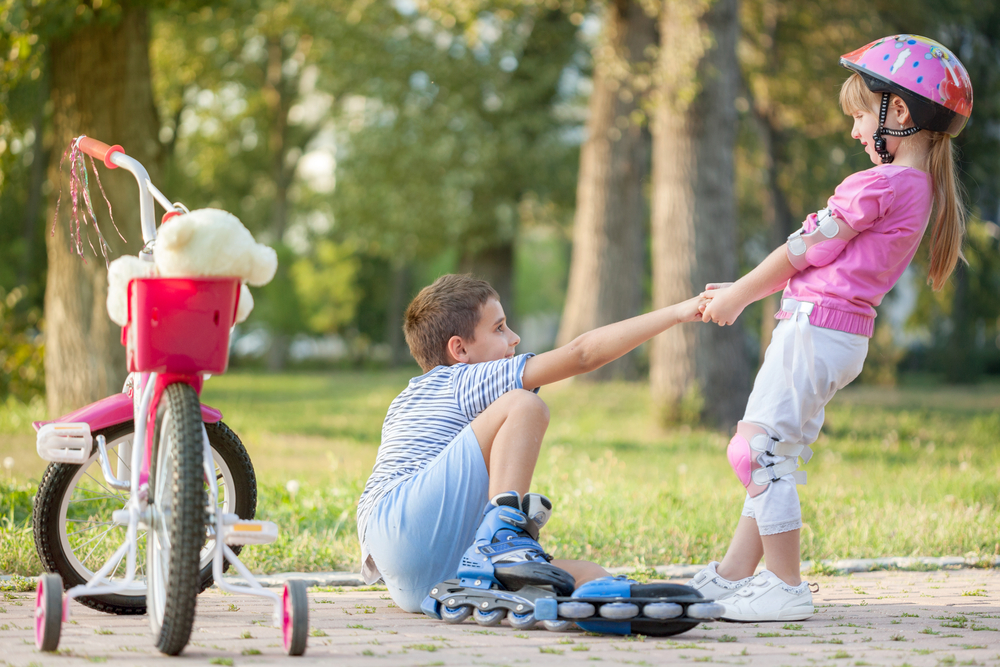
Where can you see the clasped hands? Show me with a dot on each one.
(720, 303)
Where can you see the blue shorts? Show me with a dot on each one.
(418, 533)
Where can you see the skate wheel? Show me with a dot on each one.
(557, 626)
(294, 617)
(662, 610)
(48, 612)
(489, 618)
(521, 621)
(576, 610)
(706, 611)
(455, 614)
(619, 611)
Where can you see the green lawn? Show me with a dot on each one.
(901, 472)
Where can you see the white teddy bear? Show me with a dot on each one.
(205, 242)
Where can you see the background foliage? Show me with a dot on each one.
(381, 144)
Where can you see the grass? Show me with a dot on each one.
(904, 472)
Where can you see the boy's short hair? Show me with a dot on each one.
(449, 306)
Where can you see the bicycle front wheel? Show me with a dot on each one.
(177, 508)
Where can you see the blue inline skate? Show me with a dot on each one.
(505, 573)
(504, 558)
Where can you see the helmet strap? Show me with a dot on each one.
(880, 144)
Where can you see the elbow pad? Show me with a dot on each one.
(822, 245)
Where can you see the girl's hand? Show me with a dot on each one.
(723, 307)
(714, 286)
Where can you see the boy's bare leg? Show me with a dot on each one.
(510, 435)
(582, 570)
(745, 552)
(780, 553)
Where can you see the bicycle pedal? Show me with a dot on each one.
(250, 532)
(68, 442)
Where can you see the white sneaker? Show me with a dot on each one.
(712, 586)
(768, 598)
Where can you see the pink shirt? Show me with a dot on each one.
(889, 206)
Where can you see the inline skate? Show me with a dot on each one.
(505, 573)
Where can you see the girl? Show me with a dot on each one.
(908, 96)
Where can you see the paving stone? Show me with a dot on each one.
(922, 619)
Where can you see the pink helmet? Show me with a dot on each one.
(924, 73)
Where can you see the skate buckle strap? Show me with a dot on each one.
(513, 517)
(762, 443)
(775, 471)
(511, 545)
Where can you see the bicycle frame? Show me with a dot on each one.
(142, 407)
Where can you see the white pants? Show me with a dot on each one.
(803, 368)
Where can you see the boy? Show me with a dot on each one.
(466, 434)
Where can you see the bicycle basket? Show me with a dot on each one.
(180, 325)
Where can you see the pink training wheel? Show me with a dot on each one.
(48, 612)
(294, 617)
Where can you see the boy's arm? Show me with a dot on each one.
(600, 346)
(768, 277)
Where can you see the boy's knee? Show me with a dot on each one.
(526, 401)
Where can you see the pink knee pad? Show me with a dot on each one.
(746, 447)
(743, 458)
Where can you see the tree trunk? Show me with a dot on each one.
(36, 182)
(495, 265)
(697, 371)
(609, 229)
(100, 83)
(400, 289)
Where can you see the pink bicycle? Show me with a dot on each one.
(183, 479)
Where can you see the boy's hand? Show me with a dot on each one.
(723, 307)
(691, 310)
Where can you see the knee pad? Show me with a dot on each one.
(822, 245)
(745, 450)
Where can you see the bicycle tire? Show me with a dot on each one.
(177, 518)
(60, 480)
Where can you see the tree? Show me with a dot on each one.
(607, 272)
(459, 126)
(100, 86)
(698, 370)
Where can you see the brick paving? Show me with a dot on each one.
(938, 618)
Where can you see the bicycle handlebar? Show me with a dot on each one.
(100, 150)
(114, 157)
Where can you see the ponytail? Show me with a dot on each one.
(949, 224)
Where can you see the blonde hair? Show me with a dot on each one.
(949, 199)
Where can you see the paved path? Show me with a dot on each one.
(933, 619)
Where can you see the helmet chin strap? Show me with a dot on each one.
(880, 145)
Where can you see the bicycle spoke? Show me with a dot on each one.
(84, 530)
(117, 565)
(102, 536)
(92, 498)
(100, 484)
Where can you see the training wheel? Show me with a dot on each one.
(48, 612)
(294, 617)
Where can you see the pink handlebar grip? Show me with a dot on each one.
(100, 150)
